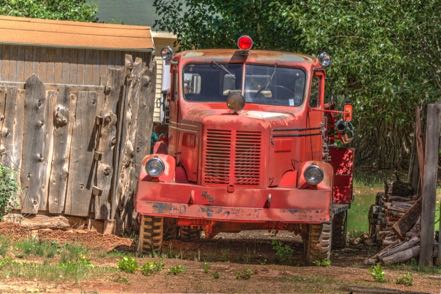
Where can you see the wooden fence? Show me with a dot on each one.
(77, 148)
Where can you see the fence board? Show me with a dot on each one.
(429, 185)
(127, 167)
(106, 144)
(7, 130)
(34, 162)
(81, 156)
(65, 106)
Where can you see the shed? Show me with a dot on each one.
(67, 52)
(76, 100)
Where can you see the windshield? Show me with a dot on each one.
(264, 84)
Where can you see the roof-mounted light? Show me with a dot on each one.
(245, 42)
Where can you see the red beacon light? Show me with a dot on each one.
(245, 43)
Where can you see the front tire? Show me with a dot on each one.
(151, 234)
(317, 243)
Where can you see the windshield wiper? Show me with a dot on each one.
(222, 67)
(270, 79)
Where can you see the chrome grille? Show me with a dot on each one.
(217, 156)
(247, 153)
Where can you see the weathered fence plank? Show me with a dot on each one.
(79, 191)
(429, 185)
(51, 97)
(34, 162)
(106, 143)
(64, 108)
(127, 166)
(7, 130)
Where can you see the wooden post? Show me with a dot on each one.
(429, 185)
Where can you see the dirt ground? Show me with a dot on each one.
(215, 266)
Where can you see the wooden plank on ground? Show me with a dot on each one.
(81, 163)
(34, 162)
(408, 220)
(429, 185)
(106, 144)
(63, 113)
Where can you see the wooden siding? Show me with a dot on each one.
(74, 34)
(59, 65)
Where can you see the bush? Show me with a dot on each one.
(152, 267)
(244, 274)
(177, 269)
(8, 189)
(128, 264)
(377, 273)
(283, 251)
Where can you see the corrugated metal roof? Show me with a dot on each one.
(73, 34)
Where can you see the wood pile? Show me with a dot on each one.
(394, 223)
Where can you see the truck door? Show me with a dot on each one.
(313, 142)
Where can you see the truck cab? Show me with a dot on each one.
(251, 145)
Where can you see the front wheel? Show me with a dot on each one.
(151, 234)
(317, 242)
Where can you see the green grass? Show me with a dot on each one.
(364, 197)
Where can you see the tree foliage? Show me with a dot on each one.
(386, 53)
(81, 10)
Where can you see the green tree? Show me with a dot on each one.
(81, 10)
(385, 52)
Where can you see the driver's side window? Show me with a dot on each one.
(314, 100)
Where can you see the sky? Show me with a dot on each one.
(140, 12)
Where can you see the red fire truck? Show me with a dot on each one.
(252, 145)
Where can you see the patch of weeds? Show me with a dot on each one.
(377, 273)
(5, 261)
(244, 274)
(128, 264)
(8, 190)
(4, 246)
(283, 252)
(323, 262)
(152, 267)
(206, 267)
(176, 270)
(215, 275)
(76, 269)
(406, 279)
(120, 279)
(70, 252)
(36, 247)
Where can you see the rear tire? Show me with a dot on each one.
(171, 229)
(317, 242)
(151, 234)
(339, 230)
(189, 234)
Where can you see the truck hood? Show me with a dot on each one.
(244, 119)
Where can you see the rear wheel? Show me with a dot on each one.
(151, 234)
(317, 242)
(170, 229)
(189, 234)
(339, 230)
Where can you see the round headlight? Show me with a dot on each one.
(154, 167)
(313, 175)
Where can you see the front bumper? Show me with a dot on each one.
(252, 205)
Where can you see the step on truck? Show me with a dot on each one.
(253, 144)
